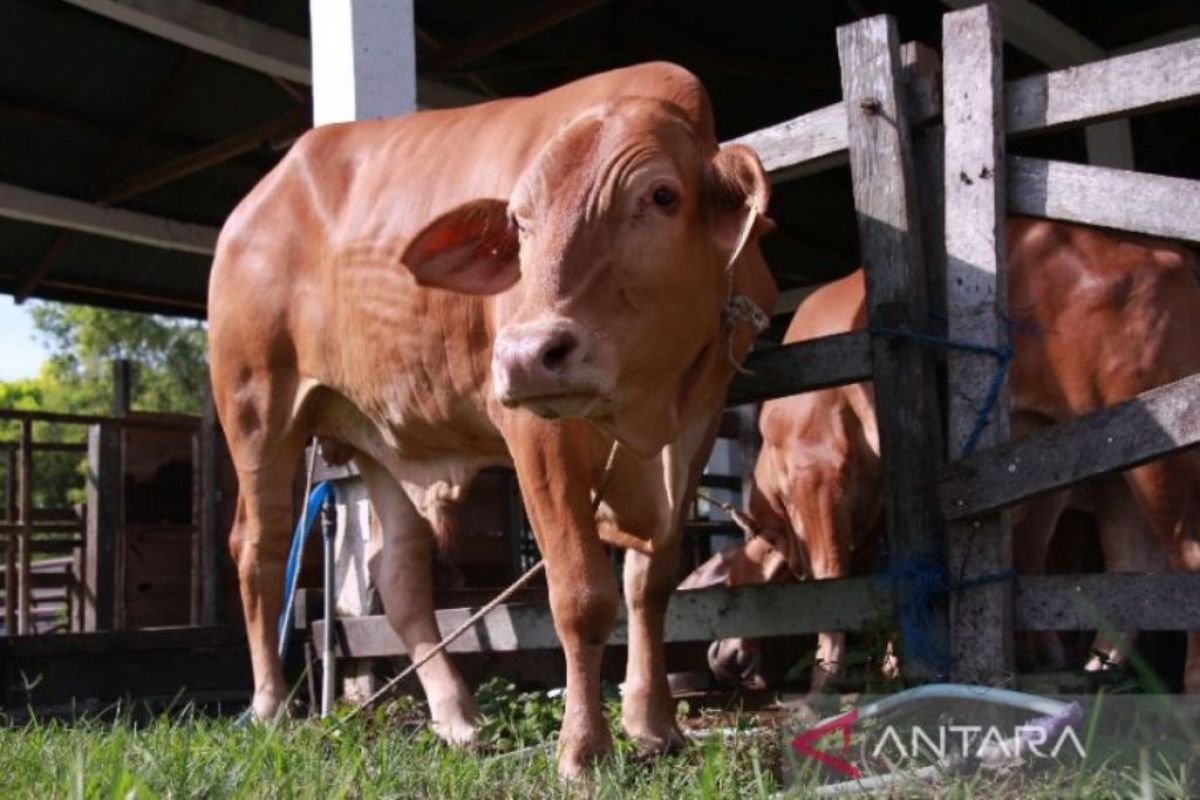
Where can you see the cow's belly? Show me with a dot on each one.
(433, 458)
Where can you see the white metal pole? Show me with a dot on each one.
(328, 660)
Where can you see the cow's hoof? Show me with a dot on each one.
(459, 732)
(269, 706)
(456, 723)
(578, 752)
(664, 739)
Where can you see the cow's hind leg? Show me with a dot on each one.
(648, 711)
(1168, 494)
(403, 575)
(259, 543)
(1128, 546)
(1032, 536)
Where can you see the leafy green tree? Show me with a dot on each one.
(170, 357)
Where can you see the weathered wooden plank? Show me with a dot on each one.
(1043, 602)
(804, 145)
(103, 525)
(1139, 82)
(696, 616)
(881, 166)
(976, 307)
(1168, 601)
(1153, 424)
(211, 443)
(25, 536)
(803, 367)
(10, 545)
(1164, 206)
(816, 141)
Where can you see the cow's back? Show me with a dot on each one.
(1097, 316)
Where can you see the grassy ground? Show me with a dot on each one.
(196, 757)
(184, 754)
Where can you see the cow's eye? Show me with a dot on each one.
(664, 197)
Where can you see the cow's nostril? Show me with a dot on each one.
(559, 350)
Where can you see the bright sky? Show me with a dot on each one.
(20, 353)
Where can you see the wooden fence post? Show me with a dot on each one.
(25, 540)
(881, 165)
(10, 545)
(103, 524)
(979, 550)
(923, 81)
(122, 398)
(211, 533)
(196, 545)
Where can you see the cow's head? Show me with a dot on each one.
(631, 234)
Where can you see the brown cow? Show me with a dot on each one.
(608, 254)
(1097, 318)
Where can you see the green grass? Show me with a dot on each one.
(393, 754)
(188, 755)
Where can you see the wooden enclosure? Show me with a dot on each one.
(133, 555)
(932, 186)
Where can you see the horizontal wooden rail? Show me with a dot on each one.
(817, 141)
(44, 580)
(1159, 601)
(1167, 601)
(37, 528)
(697, 616)
(49, 447)
(803, 367)
(1153, 424)
(804, 145)
(175, 422)
(1155, 205)
(1138, 82)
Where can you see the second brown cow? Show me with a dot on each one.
(1097, 317)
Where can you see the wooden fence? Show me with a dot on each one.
(932, 185)
(36, 592)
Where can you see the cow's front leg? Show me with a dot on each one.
(556, 470)
(648, 711)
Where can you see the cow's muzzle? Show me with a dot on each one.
(555, 368)
(736, 662)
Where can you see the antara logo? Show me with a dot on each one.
(976, 741)
(803, 744)
(1025, 740)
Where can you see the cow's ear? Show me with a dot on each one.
(471, 249)
(738, 188)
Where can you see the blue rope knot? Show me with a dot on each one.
(1003, 355)
(920, 581)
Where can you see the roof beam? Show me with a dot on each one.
(242, 41)
(509, 31)
(1033, 30)
(288, 125)
(27, 205)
